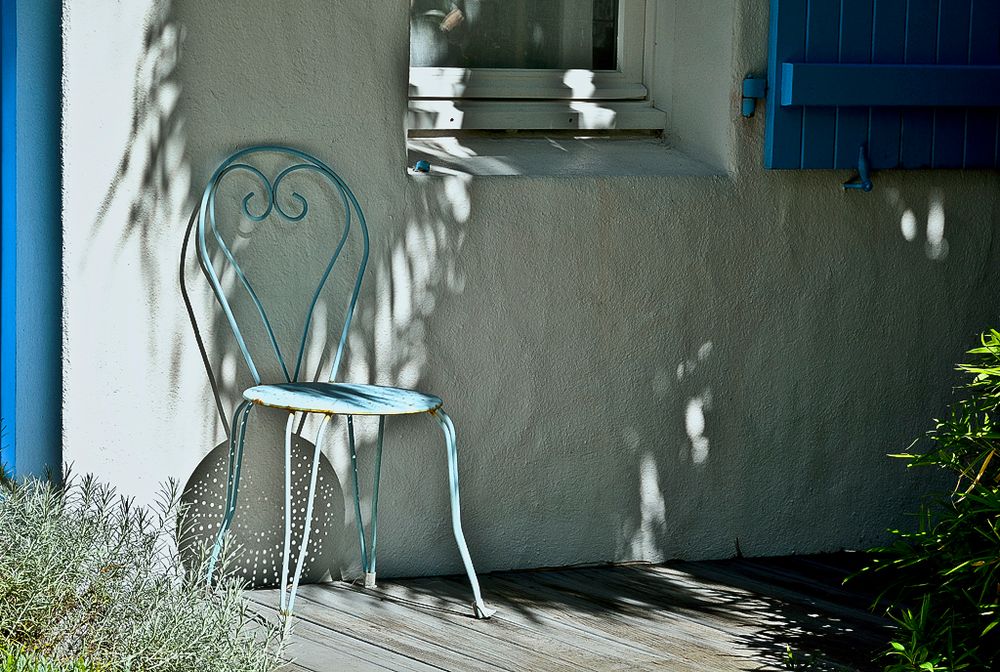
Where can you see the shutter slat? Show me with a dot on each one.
(917, 131)
(783, 148)
(984, 49)
(888, 46)
(854, 47)
(819, 124)
(953, 49)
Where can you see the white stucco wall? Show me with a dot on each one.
(639, 368)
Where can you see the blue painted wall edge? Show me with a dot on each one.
(8, 232)
(31, 237)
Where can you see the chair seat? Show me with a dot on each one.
(342, 398)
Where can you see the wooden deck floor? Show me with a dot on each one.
(684, 617)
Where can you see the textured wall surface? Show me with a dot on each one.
(638, 367)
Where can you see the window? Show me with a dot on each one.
(528, 64)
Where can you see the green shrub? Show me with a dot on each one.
(945, 575)
(17, 660)
(86, 575)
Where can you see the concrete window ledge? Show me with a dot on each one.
(552, 157)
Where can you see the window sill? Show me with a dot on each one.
(562, 115)
(552, 157)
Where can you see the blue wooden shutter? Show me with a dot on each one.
(916, 82)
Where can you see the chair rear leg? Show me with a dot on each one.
(357, 495)
(367, 559)
(236, 442)
(480, 608)
(370, 572)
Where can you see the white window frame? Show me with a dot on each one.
(516, 99)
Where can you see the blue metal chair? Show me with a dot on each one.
(327, 398)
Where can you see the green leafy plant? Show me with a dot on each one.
(89, 581)
(15, 659)
(944, 592)
(809, 662)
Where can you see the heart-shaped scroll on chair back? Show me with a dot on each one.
(263, 201)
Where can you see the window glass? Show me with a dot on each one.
(525, 34)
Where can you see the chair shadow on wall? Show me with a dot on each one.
(258, 525)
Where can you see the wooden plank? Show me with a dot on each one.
(687, 617)
(888, 46)
(783, 133)
(984, 49)
(391, 634)
(835, 564)
(819, 125)
(318, 649)
(805, 630)
(693, 611)
(542, 622)
(293, 667)
(752, 580)
(643, 597)
(744, 620)
(579, 613)
(948, 149)
(496, 642)
(847, 637)
(917, 128)
(567, 609)
(857, 85)
(806, 579)
(530, 612)
(648, 630)
(727, 609)
(855, 47)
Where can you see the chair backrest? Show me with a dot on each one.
(268, 205)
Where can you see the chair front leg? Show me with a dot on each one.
(283, 596)
(480, 608)
(236, 442)
(304, 546)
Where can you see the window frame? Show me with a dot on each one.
(444, 98)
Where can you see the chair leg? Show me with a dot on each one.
(367, 561)
(236, 442)
(481, 610)
(304, 546)
(288, 514)
(370, 570)
(357, 494)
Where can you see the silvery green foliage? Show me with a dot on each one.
(85, 573)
